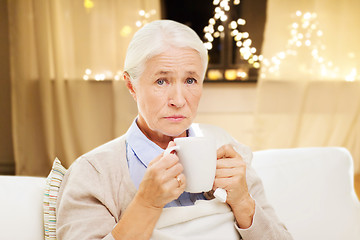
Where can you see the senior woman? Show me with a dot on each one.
(121, 189)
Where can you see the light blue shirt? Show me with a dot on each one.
(140, 151)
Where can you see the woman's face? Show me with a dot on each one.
(168, 93)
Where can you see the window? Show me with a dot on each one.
(242, 27)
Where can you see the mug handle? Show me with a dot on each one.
(170, 149)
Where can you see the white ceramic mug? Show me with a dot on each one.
(198, 157)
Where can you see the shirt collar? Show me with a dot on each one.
(145, 149)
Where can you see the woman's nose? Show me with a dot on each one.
(176, 96)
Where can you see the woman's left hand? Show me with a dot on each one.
(231, 176)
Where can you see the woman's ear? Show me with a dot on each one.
(129, 85)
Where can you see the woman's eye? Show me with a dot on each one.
(160, 81)
(190, 80)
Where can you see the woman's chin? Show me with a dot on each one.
(174, 134)
(178, 131)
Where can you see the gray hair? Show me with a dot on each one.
(154, 38)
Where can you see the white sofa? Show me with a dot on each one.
(312, 191)
(310, 188)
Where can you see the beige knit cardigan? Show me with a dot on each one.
(97, 188)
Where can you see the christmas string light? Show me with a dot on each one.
(305, 38)
(124, 32)
(88, 4)
(144, 17)
(105, 75)
(216, 29)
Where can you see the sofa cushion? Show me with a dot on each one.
(51, 191)
(21, 212)
(312, 191)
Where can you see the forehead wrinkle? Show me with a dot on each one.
(186, 57)
(166, 64)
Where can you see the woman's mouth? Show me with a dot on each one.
(175, 118)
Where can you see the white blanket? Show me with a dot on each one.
(207, 219)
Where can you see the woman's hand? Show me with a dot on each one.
(158, 187)
(231, 176)
(163, 181)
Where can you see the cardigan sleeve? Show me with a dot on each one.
(82, 211)
(266, 224)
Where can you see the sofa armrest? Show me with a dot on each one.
(312, 191)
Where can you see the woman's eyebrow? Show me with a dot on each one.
(193, 73)
(162, 73)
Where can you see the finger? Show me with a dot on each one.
(226, 151)
(175, 186)
(171, 144)
(226, 172)
(230, 163)
(173, 172)
(226, 163)
(170, 161)
(164, 162)
(181, 180)
(221, 183)
(157, 159)
(161, 178)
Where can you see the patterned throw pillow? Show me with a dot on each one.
(52, 187)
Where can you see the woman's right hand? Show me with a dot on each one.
(160, 183)
(158, 187)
